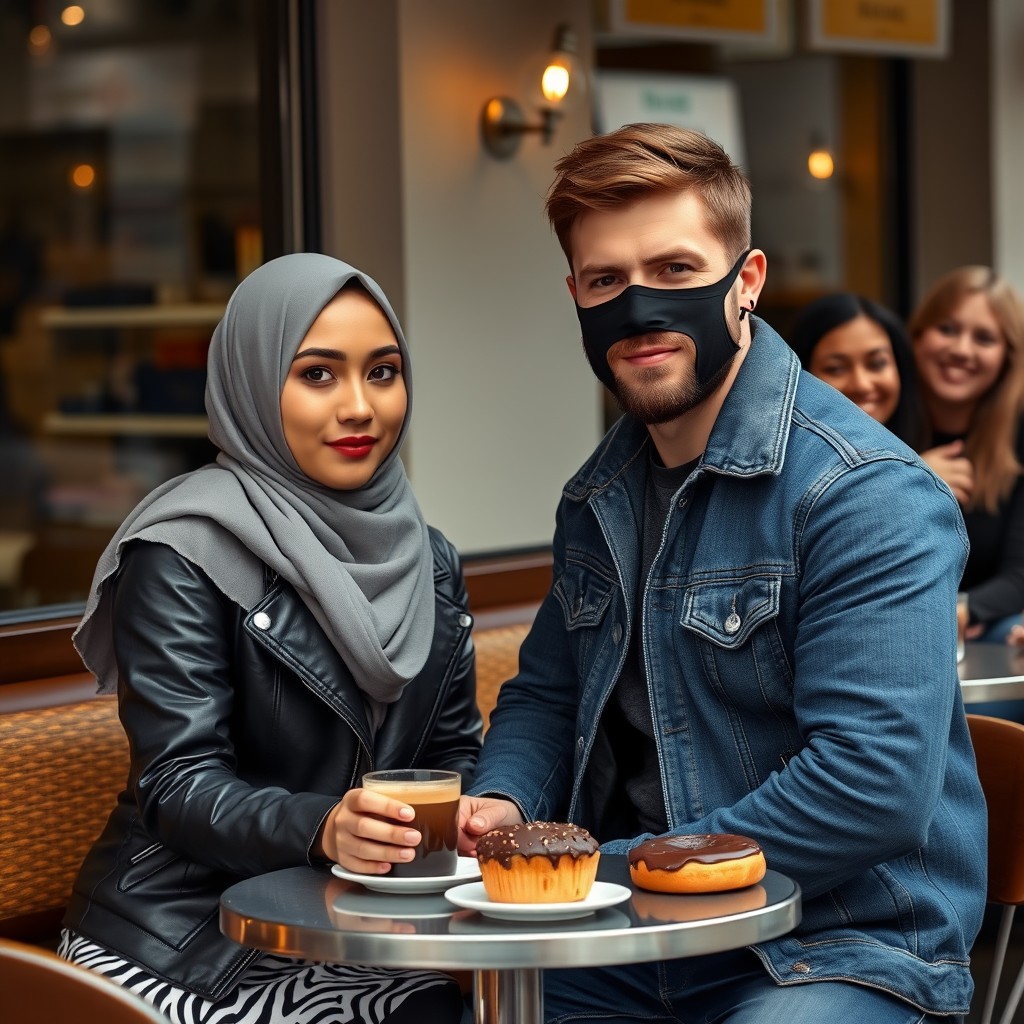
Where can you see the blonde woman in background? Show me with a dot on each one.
(968, 334)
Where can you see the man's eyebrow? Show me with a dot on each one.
(699, 260)
(668, 256)
(333, 353)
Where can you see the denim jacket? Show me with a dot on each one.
(798, 633)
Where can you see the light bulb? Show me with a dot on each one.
(820, 164)
(554, 83)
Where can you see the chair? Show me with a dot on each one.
(62, 766)
(999, 750)
(39, 988)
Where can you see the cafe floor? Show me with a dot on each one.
(981, 964)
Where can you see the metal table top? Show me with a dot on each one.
(991, 672)
(307, 912)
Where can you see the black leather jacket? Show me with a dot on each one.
(242, 739)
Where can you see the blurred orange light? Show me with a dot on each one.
(72, 15)
(83, 176)
(555, 82)
(39, 39)
(820, 164)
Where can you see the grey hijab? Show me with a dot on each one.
(360, 560)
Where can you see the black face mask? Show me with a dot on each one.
(699, 313)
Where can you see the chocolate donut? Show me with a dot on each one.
(697, 863)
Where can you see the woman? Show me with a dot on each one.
(967, 335)
(861, 349)
(274, 625)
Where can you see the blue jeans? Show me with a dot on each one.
(725, 988)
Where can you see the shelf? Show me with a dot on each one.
(85, 425)
(198, 314)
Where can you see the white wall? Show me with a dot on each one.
(505, 406)
(1007, 33)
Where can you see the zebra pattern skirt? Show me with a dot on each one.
(281, 990)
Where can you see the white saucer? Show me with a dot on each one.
(466, 869)
(474, 897)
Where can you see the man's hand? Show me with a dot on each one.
(479, 814)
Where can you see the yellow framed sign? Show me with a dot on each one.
(697, 20)
(903, 28)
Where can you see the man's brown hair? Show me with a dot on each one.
(642, 160)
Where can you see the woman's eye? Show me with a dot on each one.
(317, 374)
(383, 373)
(948, 329)
(984, 338)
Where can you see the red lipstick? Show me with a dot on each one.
(354, 447)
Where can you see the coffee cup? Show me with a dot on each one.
(434, 796)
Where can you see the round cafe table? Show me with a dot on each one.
(307, 912)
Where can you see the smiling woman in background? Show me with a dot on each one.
(967, 335)
(860, 348)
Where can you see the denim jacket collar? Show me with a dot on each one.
(749, 435)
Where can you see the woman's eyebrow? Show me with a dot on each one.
(320, 353)
(333, 353)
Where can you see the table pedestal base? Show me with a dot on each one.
(508, 997)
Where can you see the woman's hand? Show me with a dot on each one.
(950, 463)
(479, 814)
(365, 833)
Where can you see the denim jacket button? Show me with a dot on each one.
(261, 620)
(465, 621)
(616, 633)
(801, 968)
(732, 623)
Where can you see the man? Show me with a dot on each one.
(751, 628)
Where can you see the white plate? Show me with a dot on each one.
(474, 897)
(466, 869)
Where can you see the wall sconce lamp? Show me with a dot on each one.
(503, 124)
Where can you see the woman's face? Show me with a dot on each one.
(344, 399)
(959, 359)
(857, 359)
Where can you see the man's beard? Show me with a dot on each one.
(652, 402)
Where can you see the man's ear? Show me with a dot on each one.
(572, 287)
(752, 277)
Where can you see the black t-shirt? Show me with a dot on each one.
(637, 801)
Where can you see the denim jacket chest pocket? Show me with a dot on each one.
(742, 655)
(585, 597)
(726, 612)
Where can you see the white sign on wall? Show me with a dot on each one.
(703, 103)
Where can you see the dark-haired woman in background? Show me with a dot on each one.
(861, 349)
